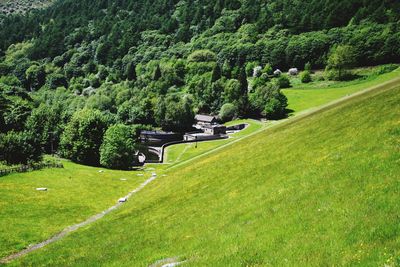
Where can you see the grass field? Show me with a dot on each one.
(303, 97)
(74, 194)
(321, 190)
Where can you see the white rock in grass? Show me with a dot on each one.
(123, 179)
(154, 174)
(122, 199)
(41, 189)
(101, 171)
(173, 264)
(140, 174)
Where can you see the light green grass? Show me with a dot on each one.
(74, 194)
(319, 190)
(181, 152)
(300, 99)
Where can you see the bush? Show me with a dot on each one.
(269, 101)
(386, 69)
(202, 56)
(118, 148)
(282, 81)
(305, 77)
(175, 114)
(340, 60)
(83, 137)
(54, 81)
(338, 75)
(228, 112)
(307, 67)
(19, 148)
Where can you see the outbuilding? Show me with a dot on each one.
(205, 119)
(214, 129)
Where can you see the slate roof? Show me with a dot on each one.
(205, 118)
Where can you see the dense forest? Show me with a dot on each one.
(22, 6)
(80, 73)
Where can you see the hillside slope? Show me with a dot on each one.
(321, 191)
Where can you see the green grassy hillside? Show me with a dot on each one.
(300, 99)
(322, 189)
(74, 193)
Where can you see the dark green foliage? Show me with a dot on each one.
(232, 91)
(16, 107)
(282, 81)
(340, 60)
(83, 136)
(305, 76)
(175, 114)
(307, 67)
(157, 73)
(45, 124)
(268, 69)
(5, 69)
(202, 56)
(130, 71)
(19, 147)
(269, 101)
(216, 74)
(132, 112)
(54, 81)
(35, 76)
(228, 112)
(119, 147)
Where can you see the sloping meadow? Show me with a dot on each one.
(321, 191)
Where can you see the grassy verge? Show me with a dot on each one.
(318, 192)
(74, 194)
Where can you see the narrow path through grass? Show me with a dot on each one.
(75, 227)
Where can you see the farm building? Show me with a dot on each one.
(205, 119)
(214, 129)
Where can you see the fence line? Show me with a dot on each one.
(27, 168)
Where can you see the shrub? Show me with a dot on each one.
(305, 77)
(268, 69)
(54, 81)
(228, 112)
(83, 136)
(307, 67)
(202, 56)
(19, 148)
(282, 81)
(386, 68)
(268, 101)
(340, 60)
(118, 148)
